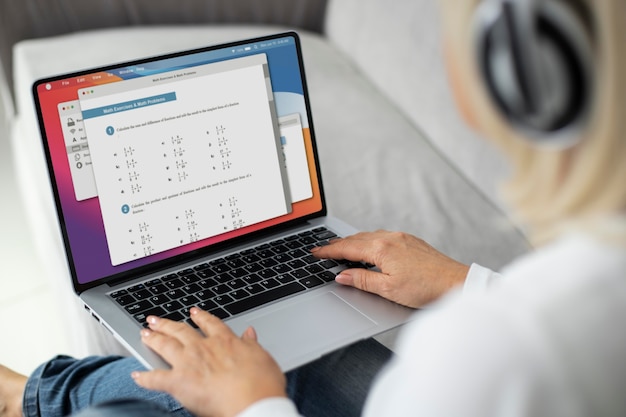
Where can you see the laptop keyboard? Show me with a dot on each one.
(236, 283)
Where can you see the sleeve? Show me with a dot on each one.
(467, 360)
(479, 279)
(271, 407)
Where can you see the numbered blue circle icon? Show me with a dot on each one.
(125, 209)
(110, 130)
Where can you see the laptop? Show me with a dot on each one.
(192, 179)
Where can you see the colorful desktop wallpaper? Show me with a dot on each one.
(82, 220)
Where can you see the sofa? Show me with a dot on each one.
(394, 152)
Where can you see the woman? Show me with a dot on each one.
(543, 338)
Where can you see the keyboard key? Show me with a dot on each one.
(280, 249)
(205, 295)
(296, 244)
(239, 272)
(296, 263)
(172, 306)
(267, 263)
(201, 267)
(237, 283)
(174, 294)
(135, 288)
(207, 283)
(254, 288)
(125, 300)
(185, 271)
(283, 257)
(118, 293)
(267, 273)
(326, 276)
(311, 282)
(221, 289)
(142, 294)
(326, 235)
(219, 313)
(255, 267)
(328, 263)
(191, 289)
(190, 278)
(314, 268)
(270, 283)
(266, 253)
(207, 305)
(251, 258)
(174, 316)
(206, 273)
(300, 273)
(310, 259)
(282, 269)
(223, 299)
(220, 269)
(235, 263)
(158, 289)
(238, 294)
(285, 278)
(189, 301)
(159, 299)
(217, 261)
(252, 278)
(264, 297)
(155, 311)
(139, 307)
(297, 253)
(223, 277)
(308, 241)
(169, 276)
(152, 282)
(175, 283)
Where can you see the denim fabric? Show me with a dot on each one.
(123, 408)
(335, 385)
(65, 385)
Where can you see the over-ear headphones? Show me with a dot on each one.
(536, 60)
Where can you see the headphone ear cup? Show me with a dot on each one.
(534, 58)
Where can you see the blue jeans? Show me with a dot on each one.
(335, 385)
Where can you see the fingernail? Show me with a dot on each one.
(134, 375)
(145, 333)
(315, 249)
(153, 319)
(193, 311)
(344, 278)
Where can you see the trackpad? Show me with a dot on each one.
(309, 326)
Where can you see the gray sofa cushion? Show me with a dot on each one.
(27, 19)
(397, 45)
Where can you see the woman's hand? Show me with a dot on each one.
(218, 374)
(413, 273)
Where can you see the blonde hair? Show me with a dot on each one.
(552, 191)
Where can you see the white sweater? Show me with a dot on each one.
(547, 340)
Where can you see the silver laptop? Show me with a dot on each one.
(192, 179)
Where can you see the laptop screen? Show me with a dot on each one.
(163, 159)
